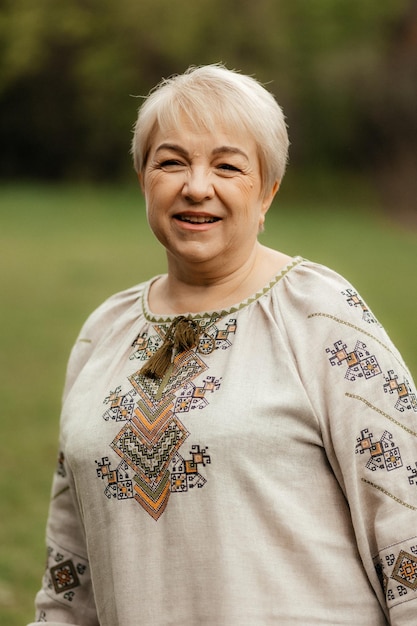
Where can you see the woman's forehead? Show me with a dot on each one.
(191, 137)
(207, 119)
(201, 124)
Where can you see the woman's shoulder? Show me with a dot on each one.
(121, 308)
(312, 278)
(112, 308)
(312, 274)
(313, 288)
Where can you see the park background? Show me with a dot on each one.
(73, 226)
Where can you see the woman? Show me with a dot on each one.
(238, 436)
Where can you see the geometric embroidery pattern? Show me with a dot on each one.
(353, 299)
(60, 470)
(383, 453)
(121, 406)
(405, 570)
(407, 399)
(185, 475)
(396, 567)
(149, 460)
(148, 443)
(193, 397)
(146, 345)
(359, 361)
(64, 577)
(215, 338)
(413, 478)
(119, 485)
(212, 337)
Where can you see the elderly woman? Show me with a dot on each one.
(238, 436)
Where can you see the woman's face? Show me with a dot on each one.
(204, 196)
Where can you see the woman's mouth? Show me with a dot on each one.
(197, 219)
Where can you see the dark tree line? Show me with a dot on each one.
(345, 72)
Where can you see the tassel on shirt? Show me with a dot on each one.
(182, 335)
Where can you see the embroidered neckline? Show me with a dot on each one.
(167, 319)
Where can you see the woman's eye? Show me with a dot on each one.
(227, 167)
(171, 163)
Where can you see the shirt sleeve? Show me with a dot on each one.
(67, 595)
(366, 403)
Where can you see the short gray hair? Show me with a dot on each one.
(211, 95)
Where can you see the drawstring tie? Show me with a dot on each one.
(183, 334)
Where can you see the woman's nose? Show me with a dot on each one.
(198, 185)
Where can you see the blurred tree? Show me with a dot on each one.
(69, 69)
(389, 108)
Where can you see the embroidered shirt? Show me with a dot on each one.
(271, 478)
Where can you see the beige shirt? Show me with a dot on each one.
(270, 479)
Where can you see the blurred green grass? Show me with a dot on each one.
(66, 248)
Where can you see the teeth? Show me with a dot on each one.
(197, 219)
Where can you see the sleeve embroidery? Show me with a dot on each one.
(66, 575)
(396, 567)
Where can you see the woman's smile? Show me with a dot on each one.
(196, 218)
(204, 195)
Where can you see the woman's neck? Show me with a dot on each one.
(190, 290)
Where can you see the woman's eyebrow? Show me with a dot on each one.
(230, 150)
(173, 147)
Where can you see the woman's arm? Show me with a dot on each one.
(366, 402)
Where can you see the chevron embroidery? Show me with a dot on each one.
(150, 467)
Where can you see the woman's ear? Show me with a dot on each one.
(270, 196)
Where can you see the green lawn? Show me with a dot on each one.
(64, 249)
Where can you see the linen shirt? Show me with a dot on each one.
(269, 478)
